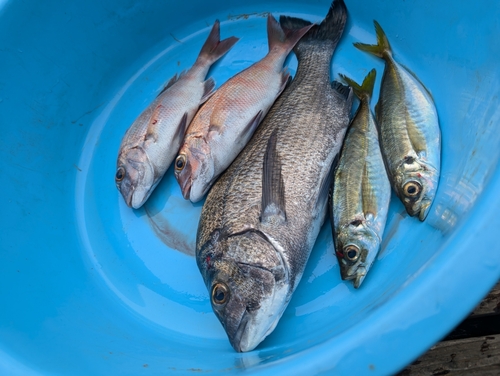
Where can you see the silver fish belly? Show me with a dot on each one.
(410, 136)
(261, 218)
(361, 192)
(152, 141)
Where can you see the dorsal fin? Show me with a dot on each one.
(172, 81)
(273, 188)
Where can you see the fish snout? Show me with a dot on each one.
(186, 187)
(355, 273)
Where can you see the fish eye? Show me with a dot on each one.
(180, 162)
(220, 293)
(412, 189)
(351, 252)
(120, 174)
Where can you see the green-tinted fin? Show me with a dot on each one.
(381, 48)
(366, 88)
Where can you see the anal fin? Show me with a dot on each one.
(273, 188)
(208, 90)
(286, 79)
(251, 126)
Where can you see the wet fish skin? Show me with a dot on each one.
(152, 141)
(410, 136)
(223, 126)
(361, 191)
(262, 217)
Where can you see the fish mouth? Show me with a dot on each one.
(356, 275)
(127, 194)
(186, 188)
(237, 341)
(248, 336)
(424, 210)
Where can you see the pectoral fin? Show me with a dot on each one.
(273, 188)
(181, 129)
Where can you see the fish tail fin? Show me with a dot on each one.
(214, 48)
(365, 90)
(282, 37)
(330, 30)
(382, 47)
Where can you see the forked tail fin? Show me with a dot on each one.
(330, 30)
(365, 90)
(214, 48)
(381, 48)
(283, 38)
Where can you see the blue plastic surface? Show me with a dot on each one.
(89, 287)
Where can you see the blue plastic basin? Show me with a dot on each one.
(90, 287)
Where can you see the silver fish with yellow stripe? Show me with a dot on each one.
(361, 191)
(410, 137)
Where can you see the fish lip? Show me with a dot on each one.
(360, 276)
(186, 189)
(127, 198)
(236, 340)
(424, 210)
(357, 276)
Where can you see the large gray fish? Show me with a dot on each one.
(361, 191)
(410, 137)
(261, 218)
(224, 125)
(151, 143)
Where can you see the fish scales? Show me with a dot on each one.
(240, 188)
(223, 126)
(361, 191)
(153, 139)
(410, 136)
(302, 133)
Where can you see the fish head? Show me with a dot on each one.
(135, 177)
(194, 170)
(248, 286)
(416, 182)
(356, 247)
